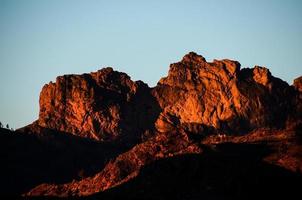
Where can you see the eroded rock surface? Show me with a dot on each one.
(200, 105)
(104, 105)
(221, 95)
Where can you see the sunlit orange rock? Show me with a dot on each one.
(221, 95)
(104, 105)
(198, 109)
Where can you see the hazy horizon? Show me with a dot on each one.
(41, 40)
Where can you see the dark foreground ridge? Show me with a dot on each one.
(210, 130)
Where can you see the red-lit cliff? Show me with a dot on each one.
(208, 129)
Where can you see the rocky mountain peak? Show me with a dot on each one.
(193, 57)
(203, 123)
(219, 95)
(101, 105)
(262, 75)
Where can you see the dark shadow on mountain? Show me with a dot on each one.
(139, 114)
(227, 171)
(28, 160)
(34, 155)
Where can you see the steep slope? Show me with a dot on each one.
(104, 105)
(107, 105)
(222, 96)
(233, 167)
(48, 156)
(197, 108)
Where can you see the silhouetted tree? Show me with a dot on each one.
(7, 126)
(1, 125)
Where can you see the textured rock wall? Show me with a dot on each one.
(104, 105)
(107, 105)
(221, 95)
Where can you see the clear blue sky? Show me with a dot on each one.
(41, 39)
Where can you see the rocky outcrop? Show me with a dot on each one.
(221, 95)
(107, 105)
(104, 105)
(198, 106)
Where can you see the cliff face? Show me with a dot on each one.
(209, 114)
(222, 96)
(105, 105)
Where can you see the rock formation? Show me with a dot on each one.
(195, 111)
(222, 96)
(104, 105)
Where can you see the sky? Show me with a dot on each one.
(42, 39)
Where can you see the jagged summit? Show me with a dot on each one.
(193, 57)
(108, 105)
(221, 95)
(101, 105)
(207, 130)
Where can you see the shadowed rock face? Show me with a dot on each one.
(105, 105)
(200, 105)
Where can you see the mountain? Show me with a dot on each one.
(207, 130)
